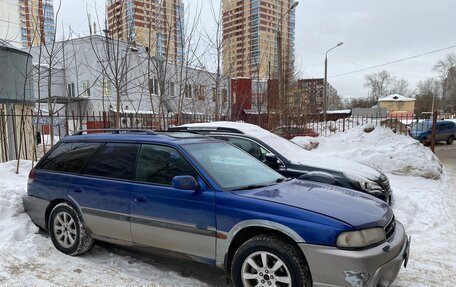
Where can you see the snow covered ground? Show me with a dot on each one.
(425, 204)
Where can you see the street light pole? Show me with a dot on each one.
(279, 56)
(325, 83)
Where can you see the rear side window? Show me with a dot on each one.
(114, 160)
(69, 157)
(160, 164)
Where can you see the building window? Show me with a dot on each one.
(200, 90)
(86, 88)
(214, 94)
(106, 88)
(70, 91)
(153, 86)
(188, 91)
(171, 89)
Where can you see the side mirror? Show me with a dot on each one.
(185, 182)
(272, 160)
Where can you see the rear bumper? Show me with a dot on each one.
(36, 209)
(373, 267)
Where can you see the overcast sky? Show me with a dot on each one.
(373, 31)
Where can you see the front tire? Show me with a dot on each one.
(450, 140)
(68, 231)
(267, 260)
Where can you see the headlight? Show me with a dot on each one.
(361, 238)
(364, 183)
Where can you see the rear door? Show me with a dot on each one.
(103, 190)
(59, 168)
(169, 218)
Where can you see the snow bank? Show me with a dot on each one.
(380, 149)
(28, 258)
(427, 210)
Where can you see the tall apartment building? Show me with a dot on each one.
(156, 24)
(249, 32)
(27, 23)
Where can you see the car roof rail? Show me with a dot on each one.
(115, 131)
(205, 129)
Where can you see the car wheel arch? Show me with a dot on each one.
(53, 204)
(248, 229)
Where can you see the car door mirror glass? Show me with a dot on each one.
(185, 182)
(272, 160)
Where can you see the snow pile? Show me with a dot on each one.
(380, 149)
(427, 209)
(29, 258)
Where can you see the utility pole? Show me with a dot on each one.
(279, 56)
(325, 83)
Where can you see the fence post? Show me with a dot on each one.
(434, 127)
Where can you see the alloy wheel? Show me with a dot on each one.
(264, 269)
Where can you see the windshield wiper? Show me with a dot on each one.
(283, 179)
(253, 186)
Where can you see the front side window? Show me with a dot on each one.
(249, 146)
(232, 168)
(69, 157)
(160, 164)
(114, 160)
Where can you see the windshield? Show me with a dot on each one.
(231, 167)
(422, 126)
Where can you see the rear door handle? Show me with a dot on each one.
(78, 190)
(140, 199)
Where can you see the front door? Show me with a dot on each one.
(166, 217)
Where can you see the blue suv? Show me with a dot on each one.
(214, 203)
(444, 131)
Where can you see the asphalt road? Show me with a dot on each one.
(447, 155)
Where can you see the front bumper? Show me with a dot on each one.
(374, 267)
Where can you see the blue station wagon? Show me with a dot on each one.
(214, 203)
(444, 131)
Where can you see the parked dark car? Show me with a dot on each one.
(445, 131)
(212, 202)
(293, 131)
(291, 160)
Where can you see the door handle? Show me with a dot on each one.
(78, 190)
(140, 199)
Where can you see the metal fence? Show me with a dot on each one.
(35, 133)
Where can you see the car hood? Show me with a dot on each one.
(337, 164)
(352, 207)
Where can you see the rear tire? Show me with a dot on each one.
(68, 231)
(450, 140)
(266, 260)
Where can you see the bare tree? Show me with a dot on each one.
(447, 71)
(378, 84)
(429, 96)
(443, 66)
(401, 87)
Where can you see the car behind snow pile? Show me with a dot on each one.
(445, 131)
(210, 201)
